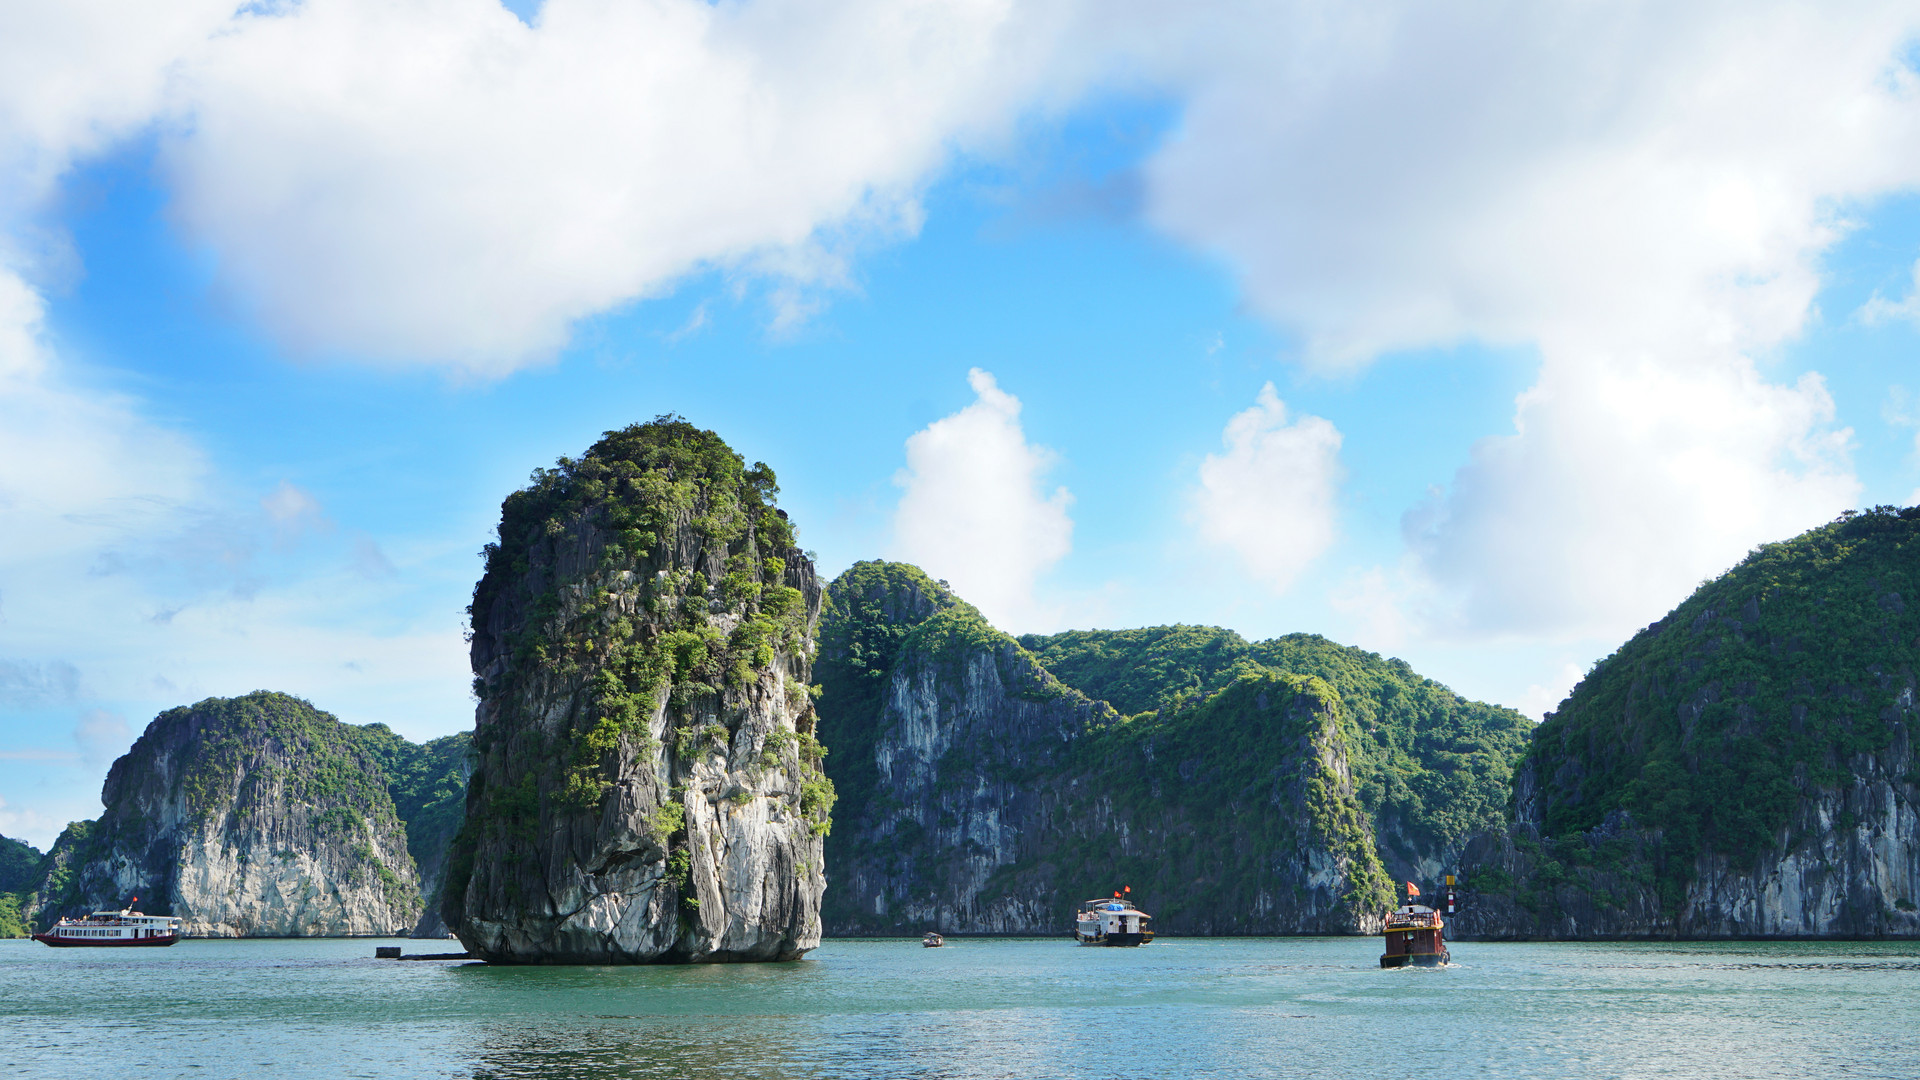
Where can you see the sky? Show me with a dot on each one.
(1474, 334)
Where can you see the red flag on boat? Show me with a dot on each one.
(1126, 888)
(1412, 889)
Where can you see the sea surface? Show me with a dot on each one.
(1202, 1007)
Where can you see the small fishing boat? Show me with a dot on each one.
(1112, 922)
(112, 928)
(933, 940)
(1415, 935)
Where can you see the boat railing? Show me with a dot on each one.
(1418, 920)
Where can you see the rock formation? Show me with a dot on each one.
(981, 795)
(647, 786)
(1742, 768)
(257, 816)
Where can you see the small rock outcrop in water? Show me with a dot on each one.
(981, 795)
(257, 816)
(1745, 767)
(648, 787)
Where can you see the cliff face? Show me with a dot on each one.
(257, 816)
(1742, 768)
(982, 795)
(428, 783)
(647, 785)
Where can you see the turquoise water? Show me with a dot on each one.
(1209, 1007)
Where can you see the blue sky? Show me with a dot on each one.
(1473, 338)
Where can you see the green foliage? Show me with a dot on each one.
(868, 614)
(612, 528)
(669, 821)
(428, 785)
(328, 763)
(19, 866)
(1217, 751)
(12, 924)
(1235, 763)
(1763, 685)
(1439, 765)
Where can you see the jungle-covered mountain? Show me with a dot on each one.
(19, 872)
(260, 816)
(986, 783)
(1742, 767)
(1430, 768)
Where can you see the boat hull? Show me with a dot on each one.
(1118, 940)
(105, 943)
(1430, 959)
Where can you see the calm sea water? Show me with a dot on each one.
(1210, 1007)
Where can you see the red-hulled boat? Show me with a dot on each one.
(112, 928)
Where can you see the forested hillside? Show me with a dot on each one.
(1746, 762)
(1246, 787)
(1430, 767)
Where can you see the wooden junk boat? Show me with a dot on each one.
(112, 928)
(1112, 922)
(1414, 936)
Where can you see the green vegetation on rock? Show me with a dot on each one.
(1425, 761)
(643, 608)
(1217, 790)
(20, 871)
(1766, 685)
(631, 492)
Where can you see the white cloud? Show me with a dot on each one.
(1641, 192)
(1544, 697)
(1269, 499)
(434, 179)
(1622, 487)
(974, 511)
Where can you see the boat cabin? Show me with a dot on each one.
(1415, 935)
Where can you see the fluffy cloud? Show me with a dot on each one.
(1641, 192)
(974, 511)
(436, 179)
(1625, 484)
(1269, 499)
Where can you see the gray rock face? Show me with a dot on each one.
(248, 817)
(986, 797)
(648, 787)
(1847, 866)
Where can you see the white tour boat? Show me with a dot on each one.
(110, 928)
(1112, 922)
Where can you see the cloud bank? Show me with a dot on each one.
(973, 509)
(1642, 193)
(1270, 498)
